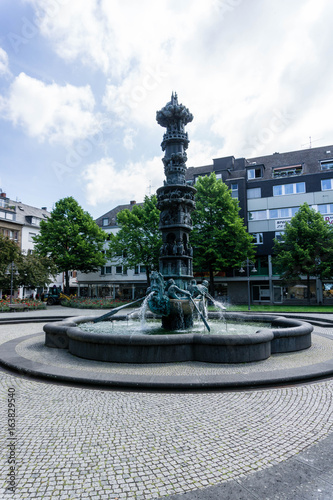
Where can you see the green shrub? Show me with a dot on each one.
(93, 303)
(31, 304)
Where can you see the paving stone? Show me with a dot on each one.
(101, 444)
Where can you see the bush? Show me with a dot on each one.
(31, 304)
(93, 303)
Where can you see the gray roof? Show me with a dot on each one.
(112, 214)
(309, 158)
(23, 212)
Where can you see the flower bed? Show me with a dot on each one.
(93, 303)
(29, 304)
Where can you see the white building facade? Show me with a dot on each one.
(113, 280)
(21, 223)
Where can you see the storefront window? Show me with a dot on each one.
(261, 293)
(299, 292)
(328, 290)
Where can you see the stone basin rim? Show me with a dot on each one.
(293, 335)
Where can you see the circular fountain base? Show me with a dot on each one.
(180, 317)
(284, 335)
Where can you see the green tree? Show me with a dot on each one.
(35, 270)
(9, 252)
(219, 237)
(307, 249)
(72, 239)
(139, 240)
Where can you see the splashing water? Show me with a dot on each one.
(221, 309)
(143, 310)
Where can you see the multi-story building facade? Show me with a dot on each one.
(20, 222)
(9, 226)
(113, 279)
(270, 190)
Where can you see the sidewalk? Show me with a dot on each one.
(51, 311)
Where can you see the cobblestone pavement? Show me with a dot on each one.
(76, 443)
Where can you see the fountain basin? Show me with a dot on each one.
(284, 335)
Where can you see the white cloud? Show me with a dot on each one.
(232, 62)
(114, 35)
(105, 182)
(4, 66)
(254, 74)
(60, 114)
(201, 152)
(128, 140)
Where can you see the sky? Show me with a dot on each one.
(80, 84)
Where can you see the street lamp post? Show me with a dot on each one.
(250, 267)
(11, 269)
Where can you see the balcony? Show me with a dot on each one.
(287, 171)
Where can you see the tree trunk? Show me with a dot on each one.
(148, 276)
(211, 282)
(308, 288)
(67, 282)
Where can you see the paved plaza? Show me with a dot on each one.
(98, 443)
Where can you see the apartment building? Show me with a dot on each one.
(20, 222)
(270, 190)
(113, 280)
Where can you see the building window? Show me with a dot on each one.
(254, 193)
(328, 290)
(119, 269)
(258, 215)
(284, 212)
(7, 215)
(274, 213)
(105, 221)
(142, 269)
(284, 189)
(136, 270)
(281, 213)
(102, 271)
(258, 238)
(12, 235)
(234, 190)
(287, 171)
(31, 236)
(279, 235)
(326, 184)
(325, 209)
(108, 270)
(254, 173)
(35, 221)
(261, 292)
(218, 176)
(326, 165)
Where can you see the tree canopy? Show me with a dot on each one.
(219, 236)
(307, 249)
(35, 270)
(72, 239)
(138, 240)
(10, 252)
